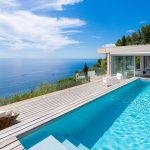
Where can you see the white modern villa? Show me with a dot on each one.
(130, 61)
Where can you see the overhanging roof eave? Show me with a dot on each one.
(134, 50)
(131, 54)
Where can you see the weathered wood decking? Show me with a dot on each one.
(39, 110)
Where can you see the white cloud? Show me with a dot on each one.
(108, 45)
(71, 31)
(131, 31)
(54, 4)
(8, 3)
(23, 29)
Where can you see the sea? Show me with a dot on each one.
(23, 75)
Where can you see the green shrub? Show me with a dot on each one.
(42, 89)
(3, 102)
(45, 88)
(66, 83)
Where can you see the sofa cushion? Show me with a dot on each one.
(2, 114)
(9, 112)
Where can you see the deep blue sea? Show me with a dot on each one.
(22, 75)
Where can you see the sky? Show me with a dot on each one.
(66, 28)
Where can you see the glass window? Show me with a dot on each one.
(123, 65)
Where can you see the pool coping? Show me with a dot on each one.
(8, 137)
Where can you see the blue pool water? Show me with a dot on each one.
(22, 75)
(119, 120)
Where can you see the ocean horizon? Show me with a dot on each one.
(23, 75)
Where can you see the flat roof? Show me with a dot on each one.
(126, 50)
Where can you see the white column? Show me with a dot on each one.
(141, 64)
(110, 67)
(134, 66)
(148, 61)
(108, 64)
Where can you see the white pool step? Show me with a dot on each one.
(77, 143)
(50, 143)
(69, 145)
(83, 147)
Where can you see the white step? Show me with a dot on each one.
(69, 145)
(50, 143)
(82, 147)
(77, 143)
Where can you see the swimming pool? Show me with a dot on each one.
(118, 120)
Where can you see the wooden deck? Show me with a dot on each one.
(37, 111)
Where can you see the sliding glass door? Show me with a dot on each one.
(124, 65)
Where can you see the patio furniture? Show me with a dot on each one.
(119, 76)
(111, 80)
(7, 118)
(144, 72)
(147, 70)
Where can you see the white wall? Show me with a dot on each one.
(91, 74)
(79, 77)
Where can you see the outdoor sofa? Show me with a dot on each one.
(7, 118)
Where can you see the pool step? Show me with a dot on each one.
(77, 143)
(69, 145)
(83, 147)
(59, 137)
(70, 142)
(66, 142)
(50, 143)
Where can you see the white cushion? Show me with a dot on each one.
(119, 76)
(2, 114)
(8, 112)
(110, 80)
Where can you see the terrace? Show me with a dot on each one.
(38, 111)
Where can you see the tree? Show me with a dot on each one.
(98, 64)
(124, 41)
(135, 38)
(99, 61)
(85, 70)
(142, 36)
(104, 63)
(119, 43)
(129, 40)
(146, 34)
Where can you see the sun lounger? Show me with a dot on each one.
(7, 118)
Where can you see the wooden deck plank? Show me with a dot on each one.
(54, 104)
(28, 110)
(43, 100)
(23, 103)
(19, 147)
